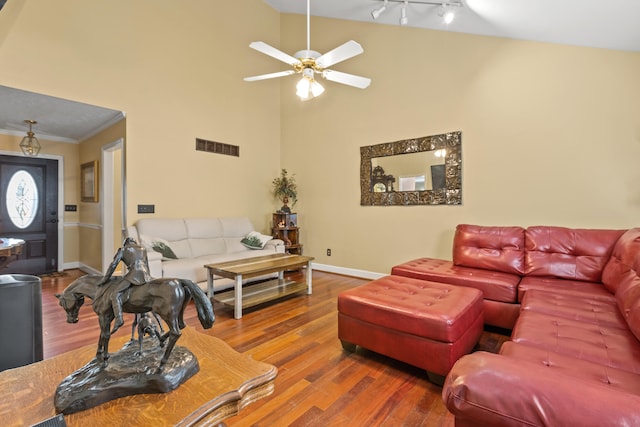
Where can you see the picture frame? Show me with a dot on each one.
(89, 182)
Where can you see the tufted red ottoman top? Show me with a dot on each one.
(433, 310)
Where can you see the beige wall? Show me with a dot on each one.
(91, 222)
(176, 71)
(551, 133)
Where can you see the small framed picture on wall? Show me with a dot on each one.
(89, 181)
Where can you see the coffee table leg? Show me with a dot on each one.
(309, 286)
(238, 300)
(209, 284)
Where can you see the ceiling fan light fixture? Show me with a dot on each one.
(316, 88)
(30, 145)
(302, 88)
(307, 87)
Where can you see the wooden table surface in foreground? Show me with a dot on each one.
(227, 382)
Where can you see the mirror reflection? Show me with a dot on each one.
(411, 172)
(421, 171)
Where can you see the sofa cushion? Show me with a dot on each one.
(628, 299)
(556, 362)
(173, 231)
(495, 285)
(168, 229)
(578, 306)
(611, 346)
(203, 228)
(184, 268)
(234, 230)
(564, 286)
(489, 248)
(619, 268)
(206, 236)
(236, 227)
(568, 253)
(208, 246)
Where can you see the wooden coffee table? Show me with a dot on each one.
(227, 382)
(239, 270)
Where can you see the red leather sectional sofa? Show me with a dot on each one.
(574, 353)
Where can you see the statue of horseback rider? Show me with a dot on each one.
(134, 257)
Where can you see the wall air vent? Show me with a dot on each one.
(217, 147)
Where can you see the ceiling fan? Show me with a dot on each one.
(309, 63)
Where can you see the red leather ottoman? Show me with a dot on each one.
(426, 324)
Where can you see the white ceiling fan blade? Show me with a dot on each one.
(346, 79)
(269, 76)
(274, 53)
(339, 54)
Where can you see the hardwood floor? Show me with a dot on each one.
(318, 384)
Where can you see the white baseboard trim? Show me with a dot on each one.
(347, 271)
(70, 265)
(85, 268)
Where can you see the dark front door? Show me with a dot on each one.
(29, 211)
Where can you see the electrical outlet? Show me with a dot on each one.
(328, 252)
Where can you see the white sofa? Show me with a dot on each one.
(196, 242)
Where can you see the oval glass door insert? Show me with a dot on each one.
(22, 199)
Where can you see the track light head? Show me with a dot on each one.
(446, 9)
(447, 13)
(403, 14)
(375, 13)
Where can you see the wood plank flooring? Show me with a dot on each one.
(318, 384)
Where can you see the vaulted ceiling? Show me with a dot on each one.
(611, 24)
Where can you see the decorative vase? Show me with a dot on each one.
(284, 207)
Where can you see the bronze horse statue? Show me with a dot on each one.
(166, 297)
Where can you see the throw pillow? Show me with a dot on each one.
(255, 240)
(159, 245)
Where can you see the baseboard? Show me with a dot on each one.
(70, 265)
(86, 268)
(347, 271)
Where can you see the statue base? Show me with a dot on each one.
(127, 373)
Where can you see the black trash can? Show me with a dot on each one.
(20, 320)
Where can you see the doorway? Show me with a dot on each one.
(113, 206)
(29, 211)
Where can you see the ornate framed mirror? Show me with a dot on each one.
(424, 171)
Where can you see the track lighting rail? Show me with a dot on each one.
(446, 9)
(427, 2)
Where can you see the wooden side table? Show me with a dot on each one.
(285, 227)
(227, 382)
(10, 249)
